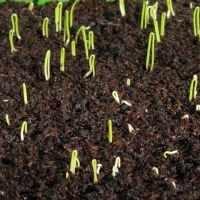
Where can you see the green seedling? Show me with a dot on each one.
(94, 167)
(24, 129)
(73, 48)
(91, 66)
(128, 82)
(15, 25)
(31, 6)
(25, 94)
(193, 88)
(11, 40)
(45, 27)
(163, 21)
(122, 8)
(143, 15)
(170, 10)
(72, 12)
(66, 28)
(74, 161)
(166, 153)
(110, 132)
(58, 16)
(116, 97)
(196, 21)
(155, 22)
(7, 119)
(150, 52)
(91, 40)
(47, 72)
(62, 59)
(116, 167)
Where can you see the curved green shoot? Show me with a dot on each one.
(45, 27)
(31, 6)
(170, 10)
(155, 22)
(91, 40)
(91, 66)
(196, 22)
(47, 73)
(25, 96)
(58, 16)
(166, 153)
(116, 96)
(122, 8)
(163, 21)
(116, 167)
(24, 130)
(150, 52)
(94, 167)
(73, 48)
(72, 12)
(11, 40)
(110, 132)
(74, 161)
(66, 28)
(7, 119)
(15, 25)
(193, 88)
(62, 59)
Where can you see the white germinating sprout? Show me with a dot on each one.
(116, 96)
(116, 167)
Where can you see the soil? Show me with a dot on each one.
(71, 112)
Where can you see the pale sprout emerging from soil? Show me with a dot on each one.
(166, 153)
(127, 103)
(130, 128)
(197, 107)
(186, 116)
(116, 96)
(99, 166)
(155, 169)
(116, 167)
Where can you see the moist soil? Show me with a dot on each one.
(71, 112)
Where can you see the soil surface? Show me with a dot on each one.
(71, 112)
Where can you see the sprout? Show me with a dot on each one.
(66, 28)
(94, 167)
(73, 48)
(126, 102)
(24, 129)
(25, 94)
(91, 40)
(196, 22)
(99, 166)
(116, 166)
(122, 8)
(155, 169)
(31, 6)
(128, 82)
(197, 107)
(155, 22)
(15, 26)
(186, 116)
(150, 50)
(62, 59)
(91, 66)
(47, 73)
(166, 153)
(144, 8)
(110, 133)
(11, 34)
(163, 21)
(170, 10)
(58, 16)
(7, 119)
(67, 175)
(74, 161)
(193, 88)
(72, 12)
(45, 29)
(130, 128)
(116, 96)
(191, 5)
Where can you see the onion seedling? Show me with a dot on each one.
(45, 27)
(58, 16)
(72, 12)
(193, 88)
(24, 129)
(163, 21)
(150, 51)
(91, 66)
(116, 96)
(62, 59)
(166, 153)
(155, 22)
(31, 6)
(7, 119)
(130, 128)
(94, 167)
(91, 40)
(11, 36)
(47, 72)
(170, 10)
(66, 28)
(73, 48)
(15, 25)
(122, 8)
(25, 94)
(143, 15)
(197, 107)
(128, 82)
(196, 21)
(110, 132)
(74, 161)
(116, 166)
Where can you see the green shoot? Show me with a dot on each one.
(58, 16)
(73, 48)
(116, 167)
(31, 6)
(116, 96)
(150, 51)
(155, 22)
(11, 35)
(163, 21)
(92, 66)
(196, 24)
(122, 8)
(94, 167)
(72, 12)
(47, 73)
(153, 11)
(7, 119)
(110, 133)
(74, 161)
(15, 25)
(91, 40)
(166, 153)
(128, 82)
(24, 129)
(170, 10)
(144, 7)
(62, 59)
(193, 88)
(25, 94)
(45, 29)
(66, 28)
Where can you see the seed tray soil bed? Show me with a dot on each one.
(71, 112)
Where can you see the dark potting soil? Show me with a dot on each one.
(71, 112)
